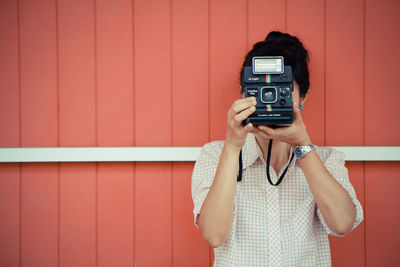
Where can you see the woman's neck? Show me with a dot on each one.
(279, 153)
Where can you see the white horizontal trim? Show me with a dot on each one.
(101, 154)
(93, 154)
(370, 153)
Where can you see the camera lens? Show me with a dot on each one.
(268, 95)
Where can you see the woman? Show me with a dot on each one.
(251, 222)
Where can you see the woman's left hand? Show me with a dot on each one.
(295, 134)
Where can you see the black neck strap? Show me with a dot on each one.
(268, 161)
(239, 176)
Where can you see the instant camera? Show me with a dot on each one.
(271, 83)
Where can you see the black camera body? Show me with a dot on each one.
(271, 83)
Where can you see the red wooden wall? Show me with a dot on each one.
(164, 73)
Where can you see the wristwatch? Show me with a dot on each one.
(301, 151)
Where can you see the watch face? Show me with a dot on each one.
(298, 152)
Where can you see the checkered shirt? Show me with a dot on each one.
(272, 225)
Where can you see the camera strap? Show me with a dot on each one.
(268, 161)
(239, 176)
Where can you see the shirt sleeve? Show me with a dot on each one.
(203, 176)
(335, 164)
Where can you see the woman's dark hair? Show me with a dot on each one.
(293, 51)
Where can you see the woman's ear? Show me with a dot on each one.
(303, 99)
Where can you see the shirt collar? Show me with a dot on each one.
(251, 151)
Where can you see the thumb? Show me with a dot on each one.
(248, 128)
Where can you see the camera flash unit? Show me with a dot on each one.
(268, 65)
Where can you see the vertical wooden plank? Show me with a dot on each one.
(9, 86)
(306, 19)
(153, 234)
(382, 217)
(345, 107)
(153, 206)
(39, 188)
(265, 16)
(190, 121)
(77, 214)
(350, 249)
(382, 123)
(114, 47)
(76, 73)
(153, 72)
(382, 128)
(38, 73)
(345, 72)
(114, 65)
(190, 73)
(9, 214)
(228, 33)
(189, 248)
(115, 214)
(39, 203)
(77, 128)
(9, 135)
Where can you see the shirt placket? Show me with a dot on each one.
(273, 222)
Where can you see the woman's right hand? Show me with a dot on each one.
(216, 214)
(236, 133)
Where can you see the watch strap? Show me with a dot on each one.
(302, 151)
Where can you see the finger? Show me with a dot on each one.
(279, 134)
(271, 133)
(260, 133)
(248, 128)
(242, 104)
(244, 114)
(242, 100)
